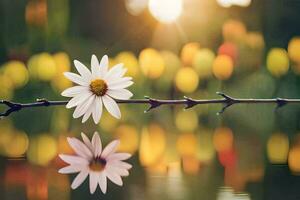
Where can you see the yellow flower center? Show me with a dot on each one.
(97, 164)
(98, 87)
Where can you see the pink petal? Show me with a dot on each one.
(114, 177)
(93, 181)
(103, 182)
(97, 146)
(80, 148)
(118, 156)
(79, 179)
(86, 141)
(70, 169)
(73, 159)
(110, 148)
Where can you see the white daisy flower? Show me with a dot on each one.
(99, 165)
(96, 88)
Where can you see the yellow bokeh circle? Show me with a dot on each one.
(278, 148)
(17, 72)
(203, 61)
(129, 139)
(186, 144)
(294, 49)
(151, 63)
(222, 67)
(278, 62)
(188, 53)
(46, 67)
(294, 159)
(223, 139)
(186, 80)
(186, 120)
(42, 149)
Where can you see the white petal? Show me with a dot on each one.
(73, 91)
(111, 106)
(86, 141)
(76, 78)
(83, 71)
(82, 108)
(120, 84)
(114, 72)
(87, 114)
(80, 148)
(78, 99)
(97, 146)
(103, 66)
(73, 159)
(118, 156)
(114, 177)
(102, 182)
(97, 112)
(79, 179)
(96, 73)
(110, 148)
(120, 94)
(93, 181)
(70, 169)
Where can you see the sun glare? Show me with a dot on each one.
(166, 11)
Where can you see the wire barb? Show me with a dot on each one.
(228, 101)
(154, 103)
(189, 102)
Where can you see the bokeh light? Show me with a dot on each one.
(203, 61)
(166, 11)
(42, 149)
(294, 159)
(294, 49)
(152, 145)
(16, 145)
(278, 62)
(278, 148)
(128, 136)
(186, 144)
(223, 139)
(186, 120)
(17, 72)
(188, 53)
(229, 49)
(136, 7)
(234, 30)
(186, 80)
(222, 67)
(151, 63)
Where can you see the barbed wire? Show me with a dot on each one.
(227, 101)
